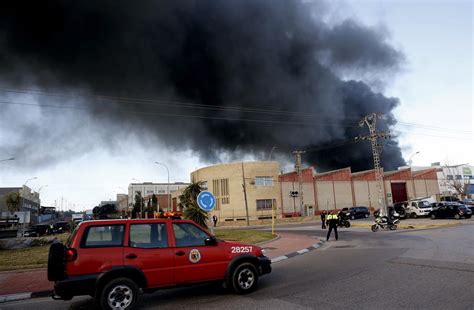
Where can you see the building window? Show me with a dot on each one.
(264, 181)
(149, 193)
(458, 177)
(161, 191)
(265, 204)
(449, 177)
(220, 189)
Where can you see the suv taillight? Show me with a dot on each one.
(71, 255)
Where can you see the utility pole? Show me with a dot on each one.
(299, 172)
(245, 195)
(371, 121)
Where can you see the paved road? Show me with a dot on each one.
(425, 269)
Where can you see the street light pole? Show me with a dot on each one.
(410, 161)
(167, 185)
(23, 204)
(270, 155)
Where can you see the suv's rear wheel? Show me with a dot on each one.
(457, 216)
(120, 293)
(56, 262)
(245, 278)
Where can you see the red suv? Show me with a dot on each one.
(115, 260)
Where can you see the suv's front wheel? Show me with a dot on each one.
(120, 293)
(245, 278)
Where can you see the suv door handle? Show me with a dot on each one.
(131, 256)
(180, 253)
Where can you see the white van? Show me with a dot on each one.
(78, 217)
(418, 208)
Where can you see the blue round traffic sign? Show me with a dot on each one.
(206, 201)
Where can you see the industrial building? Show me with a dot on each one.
(243, 189)
(341, 188)
(255, 188)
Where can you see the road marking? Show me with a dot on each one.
(13, 297)
(302, 251)
(279, 258)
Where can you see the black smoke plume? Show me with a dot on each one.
(233, 76)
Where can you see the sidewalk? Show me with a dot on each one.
(27, 282)
(288, 243)
(14, 282)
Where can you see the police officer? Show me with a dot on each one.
(323, 219)
(332, 220)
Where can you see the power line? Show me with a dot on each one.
(155, 102)
(234, 119)
(151, 113)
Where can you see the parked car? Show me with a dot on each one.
(358, 212)
(116, 260)
(452, 210)
(400, 208)
(37, 230)
(418, 208)
(449, 198)
(61, 227)
(391, 212)
(469, 203)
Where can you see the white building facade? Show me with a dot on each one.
(149, 188)
(450, 176)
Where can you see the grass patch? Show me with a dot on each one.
(27, 258)
(246, 236)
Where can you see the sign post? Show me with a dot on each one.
(206, 201)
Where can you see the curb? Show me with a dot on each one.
(297, 253)
(22, 296)
(265, 242)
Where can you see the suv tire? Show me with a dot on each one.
(245, 278)
(457, 216)
(56, 262)
(120, 293)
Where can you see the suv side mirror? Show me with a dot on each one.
(210, 241)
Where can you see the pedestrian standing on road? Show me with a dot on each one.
(332, 220)
(214, 219)
(323, 219)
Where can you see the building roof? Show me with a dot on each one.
(425, 174)
(6, 190)
(343, 174)
(401, 174)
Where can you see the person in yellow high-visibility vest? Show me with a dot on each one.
(332, 220)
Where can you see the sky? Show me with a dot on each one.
(434, 87)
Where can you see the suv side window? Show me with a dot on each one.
(103, 236)
(187, 234)
(148, 236)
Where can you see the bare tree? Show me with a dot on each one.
(455, 181)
